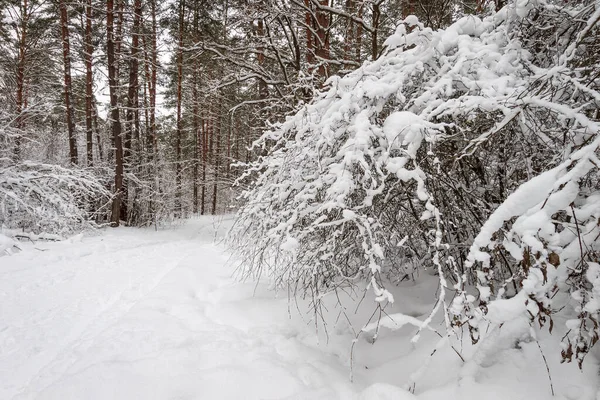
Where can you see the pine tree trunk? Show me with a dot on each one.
(204, 161)
(147, 140)
(114, 112)
(20, 97)
(196, 128)
(210, 132)
(97, 130)
(132, 100)
(263, 90)
(228, 153)
(150, 68)
(148, 101)
(349, 36)
(153, 79)
(118, 31)
(216, 158)
(323, 40)
(70, 112)
(308, 20)
(237, 139)
(359, 33)
(89, 48)
(195, 119)
(374, 39)
(179, 132)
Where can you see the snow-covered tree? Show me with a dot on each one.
(470, 150)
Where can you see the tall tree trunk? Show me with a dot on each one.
(118, 31)
(349, 36)
(152, 83)
(151, 67)
(149, 99)
(70, 112)
(132, 100)
(147, 149)
(195, 118)
(204, 161)
(210, 132)
(20, 97)
(374, 39)
(263, 90)
(97, 130)
(197, 140)
(359, 33)
(323, 40)
(114, 111)
(238, 139)
(89, 49)
(217, 156)
(308, 20)
(228, 153)
(179, 132)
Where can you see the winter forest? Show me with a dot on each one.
(300, 199)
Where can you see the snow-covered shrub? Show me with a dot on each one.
(49, 198)
(472, 150)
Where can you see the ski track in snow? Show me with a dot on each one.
(138, 314)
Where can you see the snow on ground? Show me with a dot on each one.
(139, 314)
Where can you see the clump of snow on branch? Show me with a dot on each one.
(471, 150)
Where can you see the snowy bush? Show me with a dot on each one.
(44, 198)
(470, 150)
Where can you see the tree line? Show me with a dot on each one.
(163, 101)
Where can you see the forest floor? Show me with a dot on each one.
(139, 314)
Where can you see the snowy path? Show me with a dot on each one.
(137, 314)
(145, 315)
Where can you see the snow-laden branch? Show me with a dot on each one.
(50, 198)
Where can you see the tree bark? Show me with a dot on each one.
(263, 90)
(204, 161)
(216, 158)
(197, 141)
(210, 132)
(374, 39)
(308, 20)
(97, 130)
(150, 68)
(118, 31)
(153, 79)
(323, 40)
(89, 49)
(132, 100)
(20, 98)
(349, 36)
(359, 33)
(114, 112)
(70, 112)
(179, 132)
